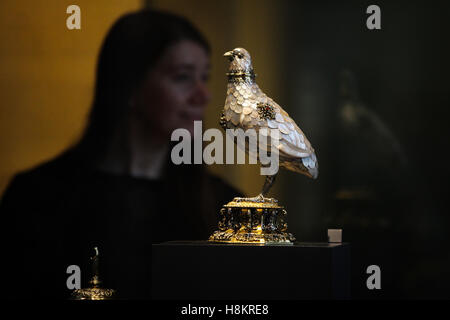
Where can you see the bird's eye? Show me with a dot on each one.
(240, 55)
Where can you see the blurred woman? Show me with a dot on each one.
(117, 188)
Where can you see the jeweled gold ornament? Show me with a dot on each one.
(260, 219)
(95, 291)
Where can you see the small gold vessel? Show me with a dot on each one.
(253, 222)
(95, 291)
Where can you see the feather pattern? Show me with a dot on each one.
(241, 111)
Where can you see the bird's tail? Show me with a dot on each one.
(307, 166)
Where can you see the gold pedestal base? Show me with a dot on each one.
(95, 292)
(252, 222)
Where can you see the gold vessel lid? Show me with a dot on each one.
(95, 291)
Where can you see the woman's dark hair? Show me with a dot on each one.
(132, 47)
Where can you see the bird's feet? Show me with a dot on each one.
(258, 199)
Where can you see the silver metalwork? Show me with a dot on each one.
(247, 106)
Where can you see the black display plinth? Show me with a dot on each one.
(205, 270)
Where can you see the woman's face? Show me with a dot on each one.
(175, 92)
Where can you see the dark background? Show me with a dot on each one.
(388, 194)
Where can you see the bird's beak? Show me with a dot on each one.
(229, 54)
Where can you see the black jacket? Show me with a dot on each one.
(53, 215)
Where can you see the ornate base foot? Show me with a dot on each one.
(256, 220)
(229, 236)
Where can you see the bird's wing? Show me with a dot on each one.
(296, 152)
(240, 111)
(292, 141)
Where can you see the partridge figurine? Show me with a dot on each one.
(248, 107)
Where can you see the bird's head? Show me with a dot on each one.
(239, 59)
